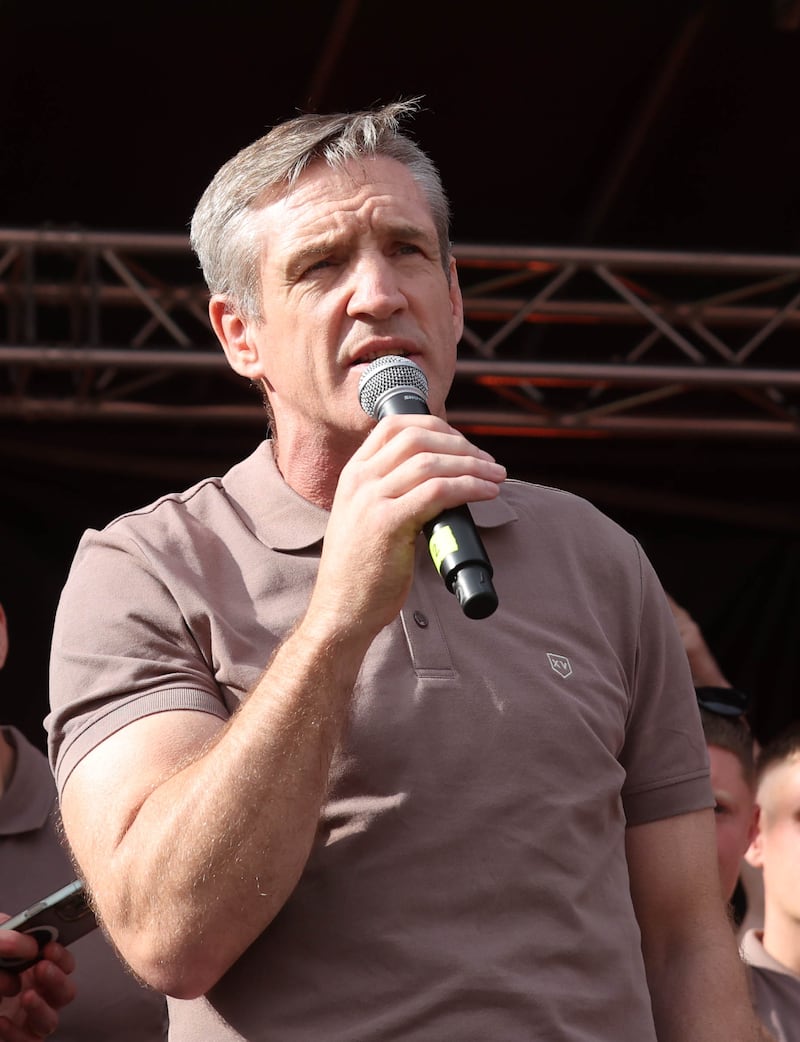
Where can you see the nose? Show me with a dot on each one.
(376, 290)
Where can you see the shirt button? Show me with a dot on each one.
(421, 619)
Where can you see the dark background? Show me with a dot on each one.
(655, 125)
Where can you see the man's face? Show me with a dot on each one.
(350, 270)
(776, 848)
(734, 815)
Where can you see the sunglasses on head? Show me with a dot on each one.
(724, 701)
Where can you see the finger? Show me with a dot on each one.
(425, 484)
(10, 984)
(52, 983)
(414, 456)
(388, 428)
(40, 1019)
(61, 956)
(14, 945)
(405, 434)
(10, 1033)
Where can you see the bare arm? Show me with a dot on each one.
(697, 982)
(192, 835)
(704, 667)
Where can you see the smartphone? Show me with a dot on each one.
(63, 916)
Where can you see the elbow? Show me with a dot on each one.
(181, 970)
(180, 982)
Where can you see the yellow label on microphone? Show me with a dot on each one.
(442, 543)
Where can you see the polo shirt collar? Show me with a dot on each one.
(283, 520)
(278, 515)
(756, 954)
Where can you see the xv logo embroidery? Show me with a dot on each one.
(559, 664)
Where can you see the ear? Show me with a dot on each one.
(456, 301)
(754, 855)
(236, 336)
(753, 830)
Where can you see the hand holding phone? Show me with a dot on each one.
(63, 916)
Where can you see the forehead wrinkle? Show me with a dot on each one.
(361, 206)
(346, 234)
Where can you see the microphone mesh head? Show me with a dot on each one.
(389, 374)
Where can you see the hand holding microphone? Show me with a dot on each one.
(394, 385)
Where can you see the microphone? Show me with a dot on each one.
(392, 386)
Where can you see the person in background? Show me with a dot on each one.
(31, 1002)
(333, 806)
(773, 954)
(109, 1002)
(731, 750)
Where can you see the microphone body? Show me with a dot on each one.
(393, 386)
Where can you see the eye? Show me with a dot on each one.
(408, 248)
(313, 262)
(318, 265)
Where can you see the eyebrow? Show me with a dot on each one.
(402, 230)
(405, 230)
(297, 262)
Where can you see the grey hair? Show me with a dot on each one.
(224, 231)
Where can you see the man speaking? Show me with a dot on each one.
(312, 797)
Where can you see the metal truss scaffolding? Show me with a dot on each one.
(557, 341)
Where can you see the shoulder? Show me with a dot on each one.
(566, 519)
(549, 500)
(210, 504)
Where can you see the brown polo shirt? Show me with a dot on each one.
(468, 880)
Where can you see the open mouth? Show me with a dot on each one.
(373, 355)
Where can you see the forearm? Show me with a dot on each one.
(698, 984)
(715, 1004)
(197, 872)
(704, 667)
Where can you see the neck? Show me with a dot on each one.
(312, 466)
